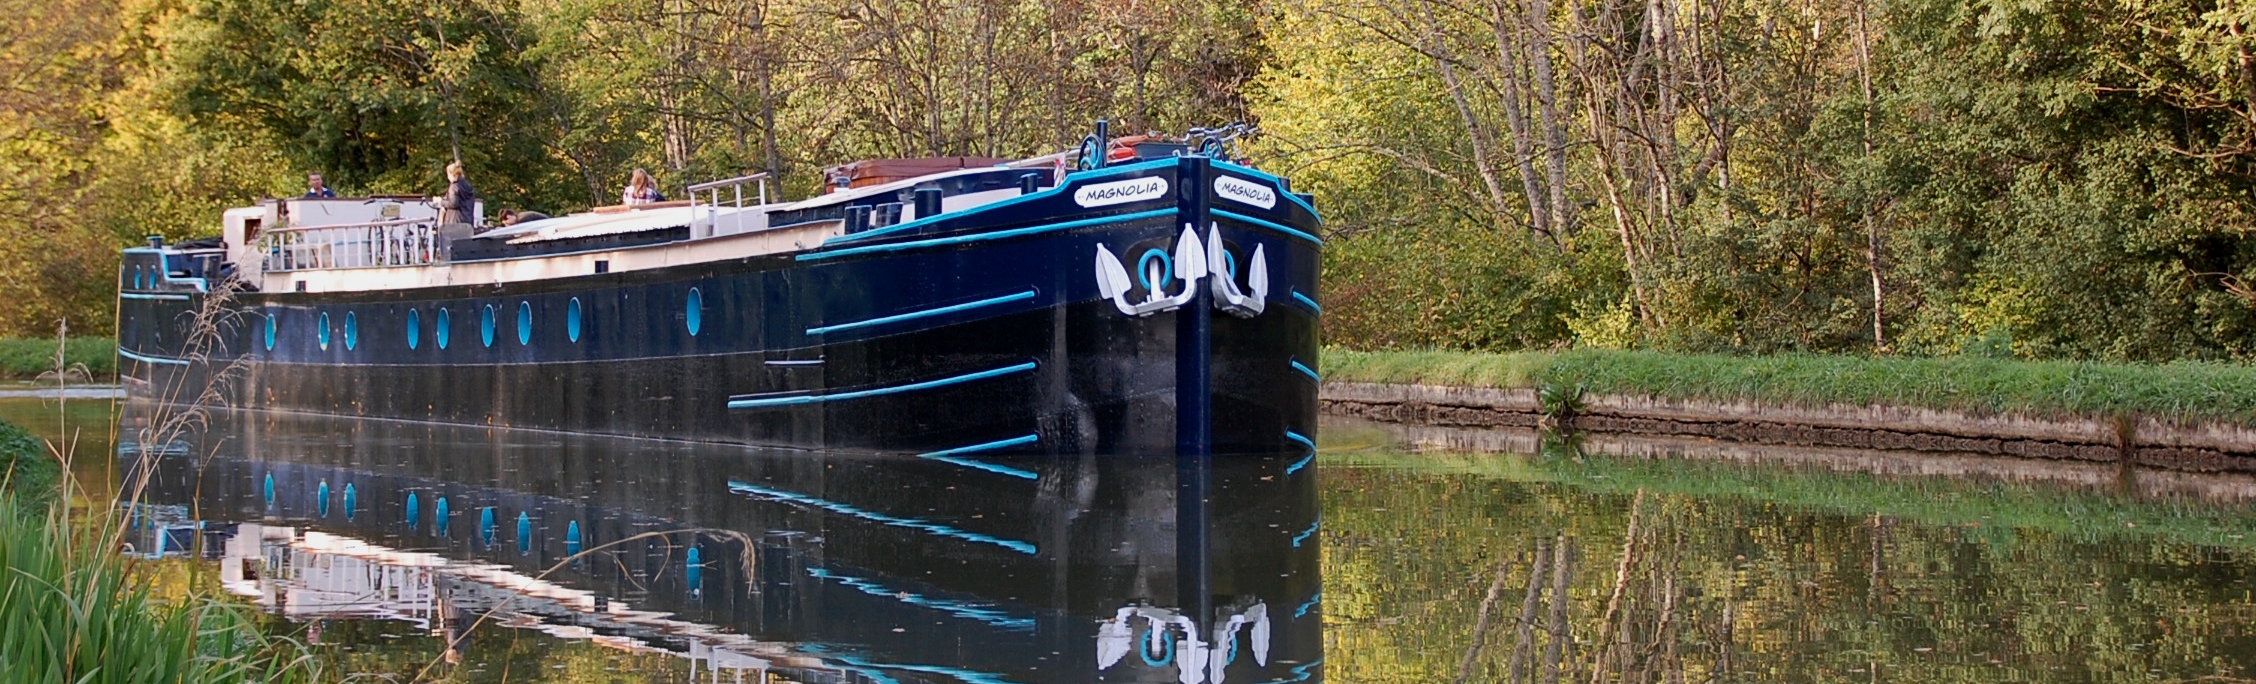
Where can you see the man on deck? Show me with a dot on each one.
(316, 189)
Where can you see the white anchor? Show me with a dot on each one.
(1196, 661)
(1190, 266)
(1193, 260)
(1226, 294)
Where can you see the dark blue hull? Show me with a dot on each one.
(982, 330)
(1006, 571)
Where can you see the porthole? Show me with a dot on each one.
(136, 277)
(443, 328)
(572, 319)
(524, 322)
(414, 328)
(323, 334)
(270, 331)
(694, 315)
(486, 325)
(352, 331)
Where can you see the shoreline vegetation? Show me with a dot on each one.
(73, 609)
(93, 358)
(2185, 391)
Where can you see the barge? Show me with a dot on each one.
(1123, 299)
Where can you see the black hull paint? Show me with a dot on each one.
(1042, 561)
(985, 331)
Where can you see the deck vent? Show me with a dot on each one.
(928, 202)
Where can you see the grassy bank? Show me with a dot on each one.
(72, 609)
(2191, 391)
(25, 359)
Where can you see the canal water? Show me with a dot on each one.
(1396, 555)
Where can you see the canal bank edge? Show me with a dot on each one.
(2193, 446)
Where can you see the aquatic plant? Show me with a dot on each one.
(1560, 403)
(70, 611)
(73, 609)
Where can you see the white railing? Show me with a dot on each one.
(398, 242)
(710, 209)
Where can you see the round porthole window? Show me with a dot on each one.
(322, 335)
(414, 328)
(270, 331)
(524, 322)
(443, 328)
(572, 319)
(352, 331)
(694, 311)
(486, 325)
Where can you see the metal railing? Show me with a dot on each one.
(710, 210)
(398, 242)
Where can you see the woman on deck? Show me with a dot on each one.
(640, 190)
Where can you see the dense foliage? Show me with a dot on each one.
(2064, 179)
(2061, 179)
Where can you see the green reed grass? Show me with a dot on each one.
(27, 358)
(2184, 391)
(73, 609)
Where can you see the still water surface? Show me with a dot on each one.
(1555, 563)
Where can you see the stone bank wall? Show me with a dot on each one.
(2132, 440)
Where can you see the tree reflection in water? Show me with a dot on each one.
(1673, 570)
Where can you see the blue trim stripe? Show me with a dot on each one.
(1305, 534)
(1266, 223)
(149, 359)
(994, 235)
(968, 611)
(1273, 179)
(873, 516)
(1305, 370)
(913, 315)
(1313, 599)
(1304, 460)
(136, 295)
(1299, 674)
(881, 391)
(949, 456)
(1310, 303)
(1054, 190)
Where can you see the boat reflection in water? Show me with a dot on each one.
(812, 566)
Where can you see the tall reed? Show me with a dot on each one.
(71, 612)
(74, 609)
